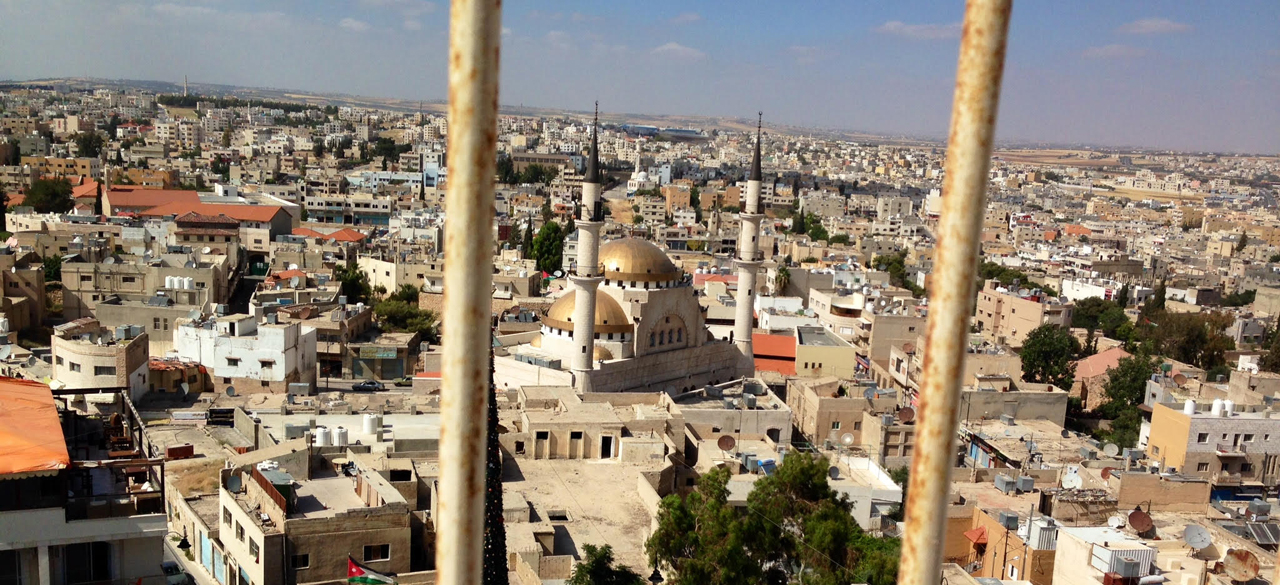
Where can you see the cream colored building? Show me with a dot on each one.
(89, 356)
(1006, 317)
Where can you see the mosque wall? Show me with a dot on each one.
(672, 371)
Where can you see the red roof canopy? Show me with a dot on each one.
(31, 437)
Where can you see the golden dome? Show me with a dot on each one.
(609, 315)
(601, 353)
(636, 259)
(536, 341)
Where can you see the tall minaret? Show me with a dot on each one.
(749, 256)
(587, 275)
(184, 86)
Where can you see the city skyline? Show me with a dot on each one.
(1158, 75)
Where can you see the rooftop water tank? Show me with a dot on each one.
(322, 437)
(1189, 407)
(340, 437)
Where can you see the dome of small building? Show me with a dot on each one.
(609, 315)
(638, 260)
(536, 341)
(601, 353)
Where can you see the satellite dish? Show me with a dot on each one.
(834, 472)
(206, 250)
(1072, 481)
(1197, 537)
(558, 273)
(846, 439)
(293, 267)
(726, 443)
(109, 260)
(186, 388)
(231, 390)
(869, 393)
(1107, 472)
(1179, 379)
(1111, 449)
(1066, 434)
(1141, 521)
(5, 351)
(907, 414)
(233, 484)
(1116, 521)
(1241, 565)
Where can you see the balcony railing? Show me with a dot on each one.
(1226, 478)
(114, 506)
(756, 257)
(576, 270)
(1227, 449)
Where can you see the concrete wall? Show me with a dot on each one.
(511, 373)
(1162, 494)
(674, 370)
(1050, 406)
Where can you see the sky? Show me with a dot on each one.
(1185, 75)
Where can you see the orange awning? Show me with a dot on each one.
(30, 431)
(977, 535)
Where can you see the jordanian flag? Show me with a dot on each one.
(357, 573)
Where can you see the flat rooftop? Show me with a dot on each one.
(326, 497)
(817, 336)
(1047, 437)
(395, 426)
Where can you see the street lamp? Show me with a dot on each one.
(656, 577)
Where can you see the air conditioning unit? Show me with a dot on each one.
(1009, 520)
(1005, 483)
(1026, 483)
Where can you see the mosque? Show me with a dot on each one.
(632, 321)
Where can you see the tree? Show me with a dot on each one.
(1274, 258)
(1112, 321)
(839, 239)
(816, 231)
(526, 247)
(89, 144)
(354, 283)
(53, 269)
(695, 200)
(548, 247)
(1088, 311)
(1155, 303)
(597, 568)
(782, 279)
(1047, 356)
(1270, 361)
(397, 314)
(50, 196)
(318, 150)
(1126, 384)
(902, 477)
(1242, 243)
(495, 530)
(700, 537)
(1122, 297)
(4, 209)
(97, 201)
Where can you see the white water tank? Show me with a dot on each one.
(1216, 409)
(1189, 407)
(188, 283)
(322, 437)
(1228, 407)
(369, 427)
(168, 282)
(340, 437)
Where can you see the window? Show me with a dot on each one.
(226, 516)
(1202, 467)
(75, 367)
(835, 425)
(542, 435)
(85, 278)
(155, 323)
(1246, 467)
(166, 324)
(239, 531)
(519, 447)
(377, 552)
(1202, 437)
(233, 362)
(58, 360)
(575, 435)
(104, 370)
(253, 549)
(1248, 438)
(857, 426)
(1155, 450)
(300, 561)
(128, 279)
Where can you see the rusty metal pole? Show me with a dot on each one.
(474, 35)
(973, 120)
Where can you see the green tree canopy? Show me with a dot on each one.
(354, 283)
(597, 568)
(50, 196)
(1126, 383)
(400, 312)
(548, 247)
(1087, 312)
(53, 268)
(1048, 356)
(794, 529)
(89, 144)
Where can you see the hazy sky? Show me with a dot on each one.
(1190, 75)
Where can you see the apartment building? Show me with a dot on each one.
(87, 356)
(64, 167)
(1233, 446)
(1006, 316)
(85, 505)
(22, 278)
(86, 284)
(248, 356)
(827, 408)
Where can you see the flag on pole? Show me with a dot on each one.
(362, 575)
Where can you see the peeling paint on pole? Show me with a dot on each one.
(973, 118)
(474, 40)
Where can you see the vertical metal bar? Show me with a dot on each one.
(474, 36)
(973, 120)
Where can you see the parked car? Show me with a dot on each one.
(403, 381)
(368, 386)
(174, 575)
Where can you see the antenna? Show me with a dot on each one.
(1241, 565)
(1197, 537)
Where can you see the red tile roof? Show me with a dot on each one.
(774, 346)
(784, 367)
(1099, 363)
(259, 213)
(146, 198)
(342, 235)
(87, 189)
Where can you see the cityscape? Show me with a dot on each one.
(225, 338)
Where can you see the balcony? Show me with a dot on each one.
(1226, 478)
(756, 257)
(1229, 450)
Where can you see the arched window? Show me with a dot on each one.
(680, 335)
(651, 340)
